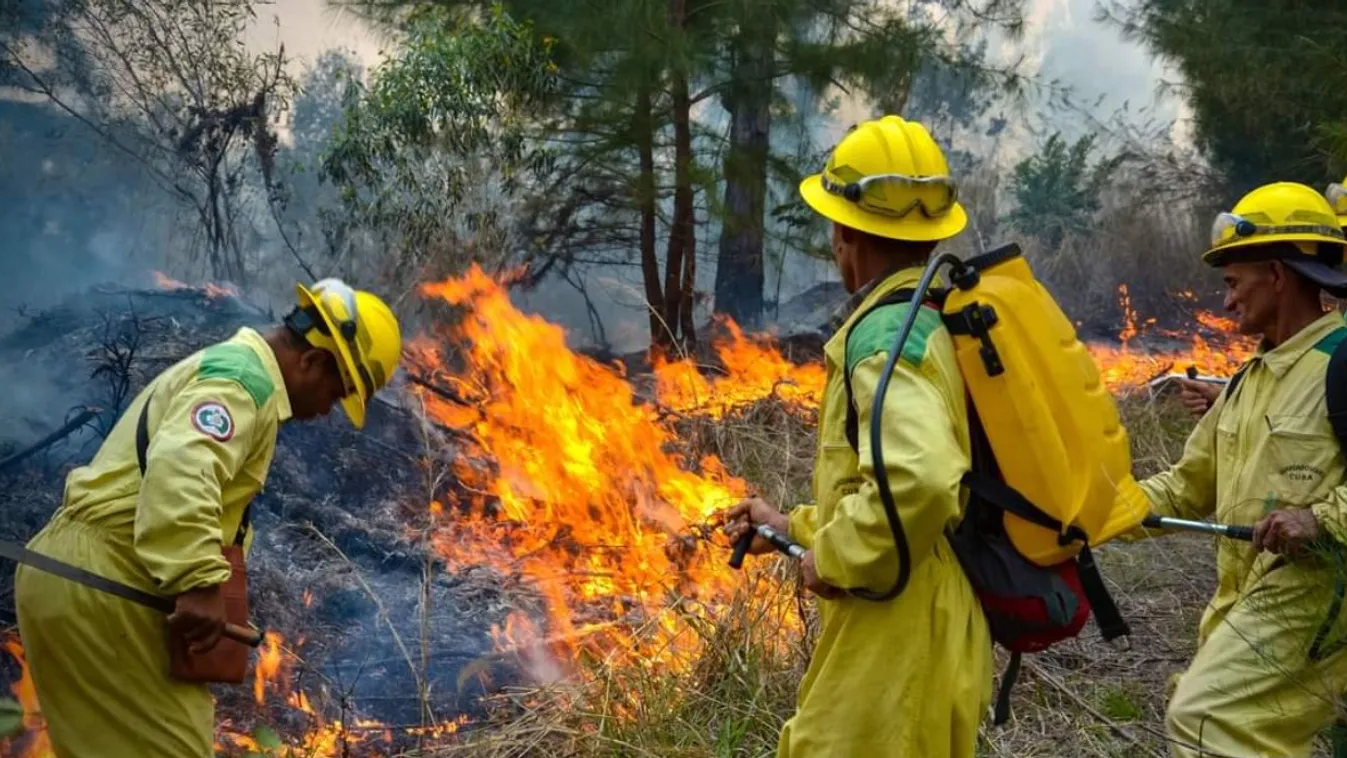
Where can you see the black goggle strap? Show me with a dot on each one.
(304, 320)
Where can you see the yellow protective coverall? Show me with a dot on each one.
(100, 663)
(910, 676)
(1271, 665)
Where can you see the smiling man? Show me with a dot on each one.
(1271, 664)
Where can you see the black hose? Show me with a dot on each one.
(877, 435)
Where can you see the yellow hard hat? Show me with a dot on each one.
(888, 178)
(1283, 212)
(1337, 197)
(357, 327)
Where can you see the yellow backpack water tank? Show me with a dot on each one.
(1050, 422)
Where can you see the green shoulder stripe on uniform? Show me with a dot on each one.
(240, 364)
(1329, 342)
(877, 331)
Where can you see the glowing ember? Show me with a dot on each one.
(584, 495)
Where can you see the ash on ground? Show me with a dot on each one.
(337, 566)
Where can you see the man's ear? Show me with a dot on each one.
(312, 359)
(1281, 276)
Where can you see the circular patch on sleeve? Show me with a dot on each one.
(213, 420)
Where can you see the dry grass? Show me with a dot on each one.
(728, 697)
(1083, 698)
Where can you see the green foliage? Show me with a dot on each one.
(1057, 192)
(610, 191)
(447, 118)
(1119, 703)
(1266, 80)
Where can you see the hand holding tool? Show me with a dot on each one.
(778, 540)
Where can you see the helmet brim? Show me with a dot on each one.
(1331, 279)
(1214, 255)
(914, 227)
(354, 403)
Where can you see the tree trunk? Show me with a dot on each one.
(643, 126)
(739, 263)
(682, 233)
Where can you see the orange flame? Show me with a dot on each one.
(754, 370)
(269, 668)
(573, 484)
(1219, 353)
(35, 744)
(584, 493)
(210, 290)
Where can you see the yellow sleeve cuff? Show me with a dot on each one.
(803, 524)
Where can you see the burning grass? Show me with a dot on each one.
(593, 507)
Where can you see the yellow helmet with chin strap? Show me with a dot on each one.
(359, 329)
(1284, 221)
(888, 178)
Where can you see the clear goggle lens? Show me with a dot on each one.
(1337, 197)
(1228, 227)
(896, 195)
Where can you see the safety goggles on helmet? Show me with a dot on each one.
(935, 195)
(1337, 197)
(1229, 227)
(307, 318)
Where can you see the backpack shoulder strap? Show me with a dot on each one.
(143, 433)
(142, 448)
(897, 297)
(1335, 385)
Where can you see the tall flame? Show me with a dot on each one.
(584, 493)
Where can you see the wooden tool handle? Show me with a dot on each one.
(244, 634)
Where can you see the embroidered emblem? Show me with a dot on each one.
(213, 420)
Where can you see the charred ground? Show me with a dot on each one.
(336, 570)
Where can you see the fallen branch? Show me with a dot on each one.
(80, 420)
(442, 392)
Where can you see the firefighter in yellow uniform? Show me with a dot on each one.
(1271, 664)
(100, 664)
(910, 676)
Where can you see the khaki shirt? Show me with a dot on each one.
(1269, 447)
(212, 424)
